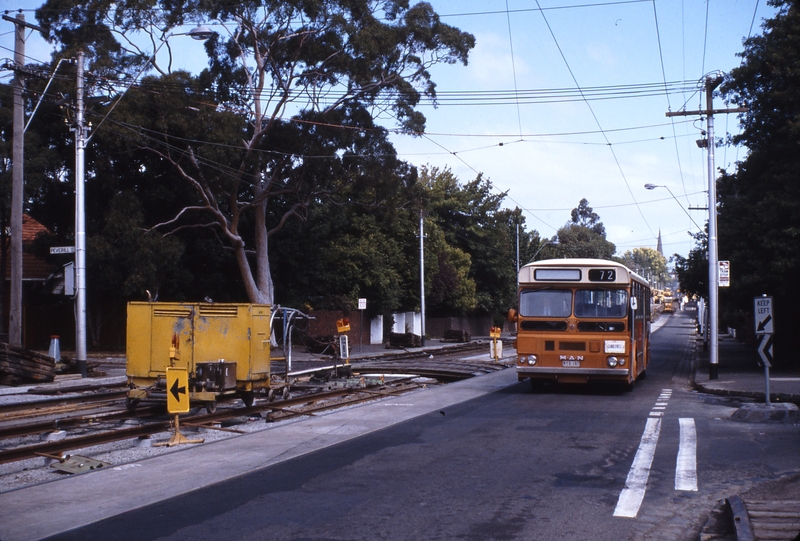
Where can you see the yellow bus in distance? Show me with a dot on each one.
(581, 320)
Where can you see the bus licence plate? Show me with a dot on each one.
(571, 364)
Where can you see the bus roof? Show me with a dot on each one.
(527, 273)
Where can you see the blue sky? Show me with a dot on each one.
(548, 154)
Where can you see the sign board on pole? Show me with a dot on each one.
(343, 325)
(765, 349)
(69, 279)
(762, 310)
(62, 249)
(344, 347)
(724, 274)
(177, 390)
(362, 304)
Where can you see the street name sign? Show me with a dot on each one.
(62, 249)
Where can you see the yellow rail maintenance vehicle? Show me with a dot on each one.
(224, 347)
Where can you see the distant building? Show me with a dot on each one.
(38, 279)
(659, 248)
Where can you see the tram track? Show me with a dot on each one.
(306, 404)
(33, 408)
(104, 418)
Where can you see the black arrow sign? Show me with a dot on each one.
(765, 349)
(175, 390)
(763, 324)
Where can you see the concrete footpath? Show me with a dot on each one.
(740, 373)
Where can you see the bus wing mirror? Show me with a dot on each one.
(513, 316)
(634, 303)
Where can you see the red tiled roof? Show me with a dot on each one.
(30, 229)
(33, 267)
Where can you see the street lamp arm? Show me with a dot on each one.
(200, 33)
(649, 186)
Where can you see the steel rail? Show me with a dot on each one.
(37, 406)
(98, 438)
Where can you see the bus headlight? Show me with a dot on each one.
(622, 362)
(612, 362)
(527, 359)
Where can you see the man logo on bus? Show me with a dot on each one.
(570, 358)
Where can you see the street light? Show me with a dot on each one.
(654, 186)
(81, 139)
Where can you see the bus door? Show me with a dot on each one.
(638, 326)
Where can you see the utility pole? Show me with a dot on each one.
(17, 186)
(711, 83)
(422, 276)
(17, 180)
(80, 225)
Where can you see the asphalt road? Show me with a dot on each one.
(548, 465)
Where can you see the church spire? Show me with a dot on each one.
(659, 248)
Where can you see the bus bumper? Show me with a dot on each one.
(524, 372)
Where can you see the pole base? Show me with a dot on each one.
(177, 437)
(713, 371)
(82, 368)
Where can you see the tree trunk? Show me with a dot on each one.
(259, 285)
(263, 272)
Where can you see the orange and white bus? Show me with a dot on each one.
(581, 320)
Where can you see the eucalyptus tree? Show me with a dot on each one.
(306, 79)
(583, 236)
(759, 204)
(647, 262)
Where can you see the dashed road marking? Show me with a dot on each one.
(686, 466)
(630, 499)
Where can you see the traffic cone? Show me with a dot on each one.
(55, 348)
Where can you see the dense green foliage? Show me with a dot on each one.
(584, 236)
(692, 271)
(292, 85)
(648, 263)
(270, 171)
(759, 205)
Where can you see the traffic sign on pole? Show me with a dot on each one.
(765, 349)
(762, 309)
(724, 274)
(177, 390)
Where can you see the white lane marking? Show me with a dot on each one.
(658, 324)
(630, 499)
(686, 467)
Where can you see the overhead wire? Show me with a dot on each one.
(513, 69)
(669, 104)
(498, 99)
(597, 121)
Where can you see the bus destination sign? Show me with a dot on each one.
(602, 275)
